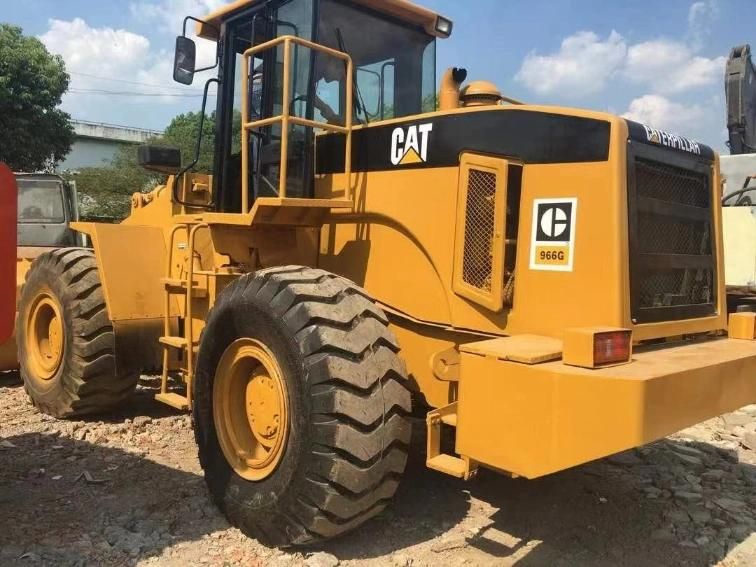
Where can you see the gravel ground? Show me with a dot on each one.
(129, 491)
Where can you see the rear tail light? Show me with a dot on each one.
(592, 347)
(611, 347)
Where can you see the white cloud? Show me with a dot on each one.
(671, 67)
(700, 17)
(104, 51)
(170, 14)
(116, 73)
(660, 112)
(583, 65)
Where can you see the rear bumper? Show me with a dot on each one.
(533, 420)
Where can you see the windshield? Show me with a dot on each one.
(40, 201)
(395, 65)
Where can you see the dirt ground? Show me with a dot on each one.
(129, 491)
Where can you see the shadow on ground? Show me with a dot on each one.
(133, 508)
(596, 514)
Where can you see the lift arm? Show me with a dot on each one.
(740, 90)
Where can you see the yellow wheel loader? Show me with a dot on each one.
(46, 204)
(545, 283)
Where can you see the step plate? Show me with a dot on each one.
(174, 400)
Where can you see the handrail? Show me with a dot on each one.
(167, 301)
(286, 118)
(188, 322)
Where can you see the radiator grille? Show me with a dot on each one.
(673, 268)
(477, 263)
(671, 183)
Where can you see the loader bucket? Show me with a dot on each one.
(8, 200)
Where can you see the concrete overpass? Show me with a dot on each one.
(97, 143)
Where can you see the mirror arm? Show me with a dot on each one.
(217, 43)
(193, 19)
(198, 149)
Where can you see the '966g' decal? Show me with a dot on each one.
(552, 245)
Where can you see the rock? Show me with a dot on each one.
(687, 496)
(729, 504)
(448, 543)
(142, 420)
(713, 474)
(749, 440)
(663, 534)
(321, 559)
(652, 492)
(401, 560)
(700, 516)
(703, 540)
(689, 450)
(628, 458)
(677, 516)
(689, 459)
(732, 420)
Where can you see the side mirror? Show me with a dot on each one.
(184, 60)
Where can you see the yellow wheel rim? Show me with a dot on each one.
(45, 336)
(250, 409)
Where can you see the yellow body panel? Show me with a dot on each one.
(131, 262)
(534, 420)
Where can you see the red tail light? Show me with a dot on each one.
(611, 347)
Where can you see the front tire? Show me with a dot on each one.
(66, 343)
(313, 346)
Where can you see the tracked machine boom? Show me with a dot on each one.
(544, 282)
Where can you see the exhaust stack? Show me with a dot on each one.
(450, 87)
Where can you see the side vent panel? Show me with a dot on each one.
(479, 242)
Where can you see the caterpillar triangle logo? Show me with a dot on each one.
(410, 145)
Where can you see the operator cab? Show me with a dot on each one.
(46, 204)
(392, 45)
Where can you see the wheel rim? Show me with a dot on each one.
(250, 409)
(45, 336)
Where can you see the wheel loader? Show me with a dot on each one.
(46, 205)
(543, 284)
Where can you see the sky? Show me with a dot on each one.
(656, 61)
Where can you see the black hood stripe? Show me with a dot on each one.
(527, 136)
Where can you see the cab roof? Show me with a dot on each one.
(400, 9)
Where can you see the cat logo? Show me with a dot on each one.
(410, 146)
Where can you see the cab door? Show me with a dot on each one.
(254, 27)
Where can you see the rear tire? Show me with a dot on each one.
(65, 339)
(347, 405)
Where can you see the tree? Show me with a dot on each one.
(35, 133)
(106, 191)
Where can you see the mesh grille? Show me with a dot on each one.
(664, 235)
(670, 183)
(673, 262)
(676, 287)
(477, 263)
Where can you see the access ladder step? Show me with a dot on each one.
(179, 343)
(174, 400)
(449, 464)
(175, 285)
